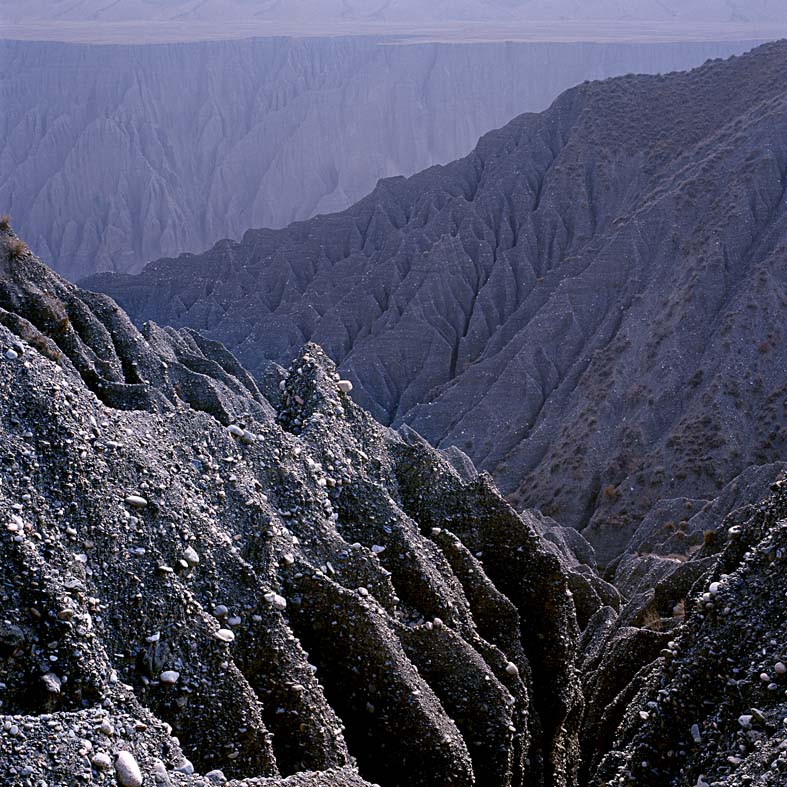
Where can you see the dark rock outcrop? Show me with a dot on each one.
(216, 586)
(189, 573)
(590, 306)
(711, 710)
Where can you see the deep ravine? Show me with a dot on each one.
(205, 581)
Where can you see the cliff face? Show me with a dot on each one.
(207, 583)
(590, 305)
(115, 155)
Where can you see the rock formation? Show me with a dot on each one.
(206, 582)
(197, 578)
(590, 305)
(116, 155)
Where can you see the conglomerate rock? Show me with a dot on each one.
(190, 574)
(204, 585)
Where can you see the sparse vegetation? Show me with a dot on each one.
(17, 249)
(5, 222)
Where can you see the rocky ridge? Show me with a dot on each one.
(116, 155)
(590, 305)
(205, 583)
(252, 589)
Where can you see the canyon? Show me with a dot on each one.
(115, 155)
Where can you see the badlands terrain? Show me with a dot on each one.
(590, 305)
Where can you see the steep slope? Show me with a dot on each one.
(711, 709)
(285, 586)
(590, 305)
(203, 584)
(115, 155)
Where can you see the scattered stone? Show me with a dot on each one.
(276, 601)
(185, 766)
(127, 770)
(190, 556)
(101, 761)
(52, 682)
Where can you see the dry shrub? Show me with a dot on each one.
(17, 249)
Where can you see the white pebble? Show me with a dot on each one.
(276, 601)
(345, 386)
(185, 766)
(235, 431)
(170, 677)
(190, 556)
(224, 635)
(136, 501)
(101, 761)
(127, 770)
(11, 355)
(512, 668)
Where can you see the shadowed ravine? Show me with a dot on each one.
(204, 577)
(590, 305)
(218, 568)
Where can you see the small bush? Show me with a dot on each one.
(17, 249)
(5, 222)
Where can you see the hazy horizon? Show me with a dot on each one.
(538, 20)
